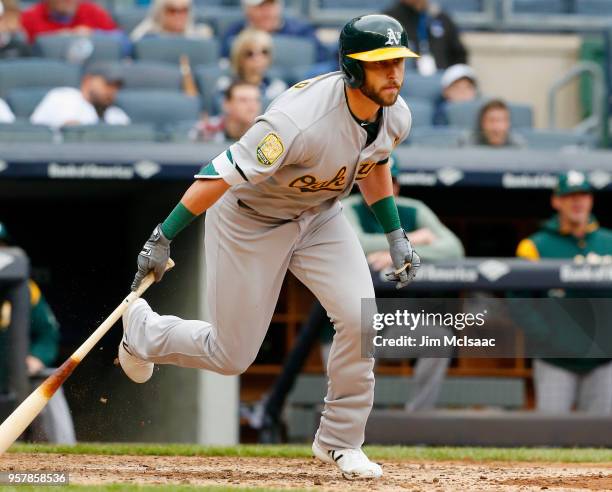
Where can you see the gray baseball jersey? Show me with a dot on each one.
(307, 150)
(291, 168)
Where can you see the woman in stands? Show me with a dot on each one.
(250, 58)
(170, 17)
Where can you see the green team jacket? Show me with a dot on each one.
(44, 332)
(414, 215)
(552, 242)
(44, 328)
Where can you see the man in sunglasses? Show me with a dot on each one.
(272, 202)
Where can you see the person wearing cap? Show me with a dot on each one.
(55, 421)
(431, 33)
(425, 230)
(12, 44)
(459, 84)
(268, 15)
(65, 16)
(91, 104)
(573, 233)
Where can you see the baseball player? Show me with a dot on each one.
(272, 203)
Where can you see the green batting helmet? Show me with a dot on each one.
(370, 38)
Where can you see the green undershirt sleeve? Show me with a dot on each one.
(385, 211)
(178, 219)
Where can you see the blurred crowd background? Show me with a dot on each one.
(512, 85)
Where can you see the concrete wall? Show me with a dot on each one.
(522, 67)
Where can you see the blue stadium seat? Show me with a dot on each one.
(158, 107)
(451, 6)
(422, 111)
(219, 18)
(25, 132)
(36, 72)
(435, 136)
(464, 114)
(292, 51)
(169, 49)
(593, 7)
(23, 101)
(151, 75)
(98, 47)
(557, 139)
(363, 5)
(416, 85)
(128, 19)
(207, 77)
(540, 6)
(138, 132)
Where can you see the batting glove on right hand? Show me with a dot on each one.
(153, 256)
(405, 260)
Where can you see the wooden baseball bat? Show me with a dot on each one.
(27, 411)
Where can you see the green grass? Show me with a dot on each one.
(567, 455)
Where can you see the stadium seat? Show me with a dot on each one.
(416, 85)
(170, 48)
(362, 5)
(291, 51)
(593, 7)
(557, 140)
(219, 18)
(23, 102)
(25, 132)
(151, 75)
(158, 107)
(129, 18)
(79, 49)
(36, 72)
(435, 136)
(540, 6)
(422, 112)
(464, 114)
(138, 132)
(206, 78)
(460, 5)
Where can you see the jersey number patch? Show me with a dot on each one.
(269, 149)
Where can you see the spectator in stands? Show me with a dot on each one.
(44, 340)
(574, 233)
(91, 104)
(251, 56)
(174, 17)
(12, 43)
(459, 84)
(267, 15)
(6, 115)
(493, 127)
(434, 239)
(66, 16)
(431, 33)
(241, 105)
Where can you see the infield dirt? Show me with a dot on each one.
(310, 474)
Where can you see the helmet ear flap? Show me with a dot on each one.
(353, 72)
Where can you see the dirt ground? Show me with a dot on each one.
(311, 474)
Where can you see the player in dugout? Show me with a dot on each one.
(562, 384)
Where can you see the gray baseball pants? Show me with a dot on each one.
(557, 390)
(247, 257)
